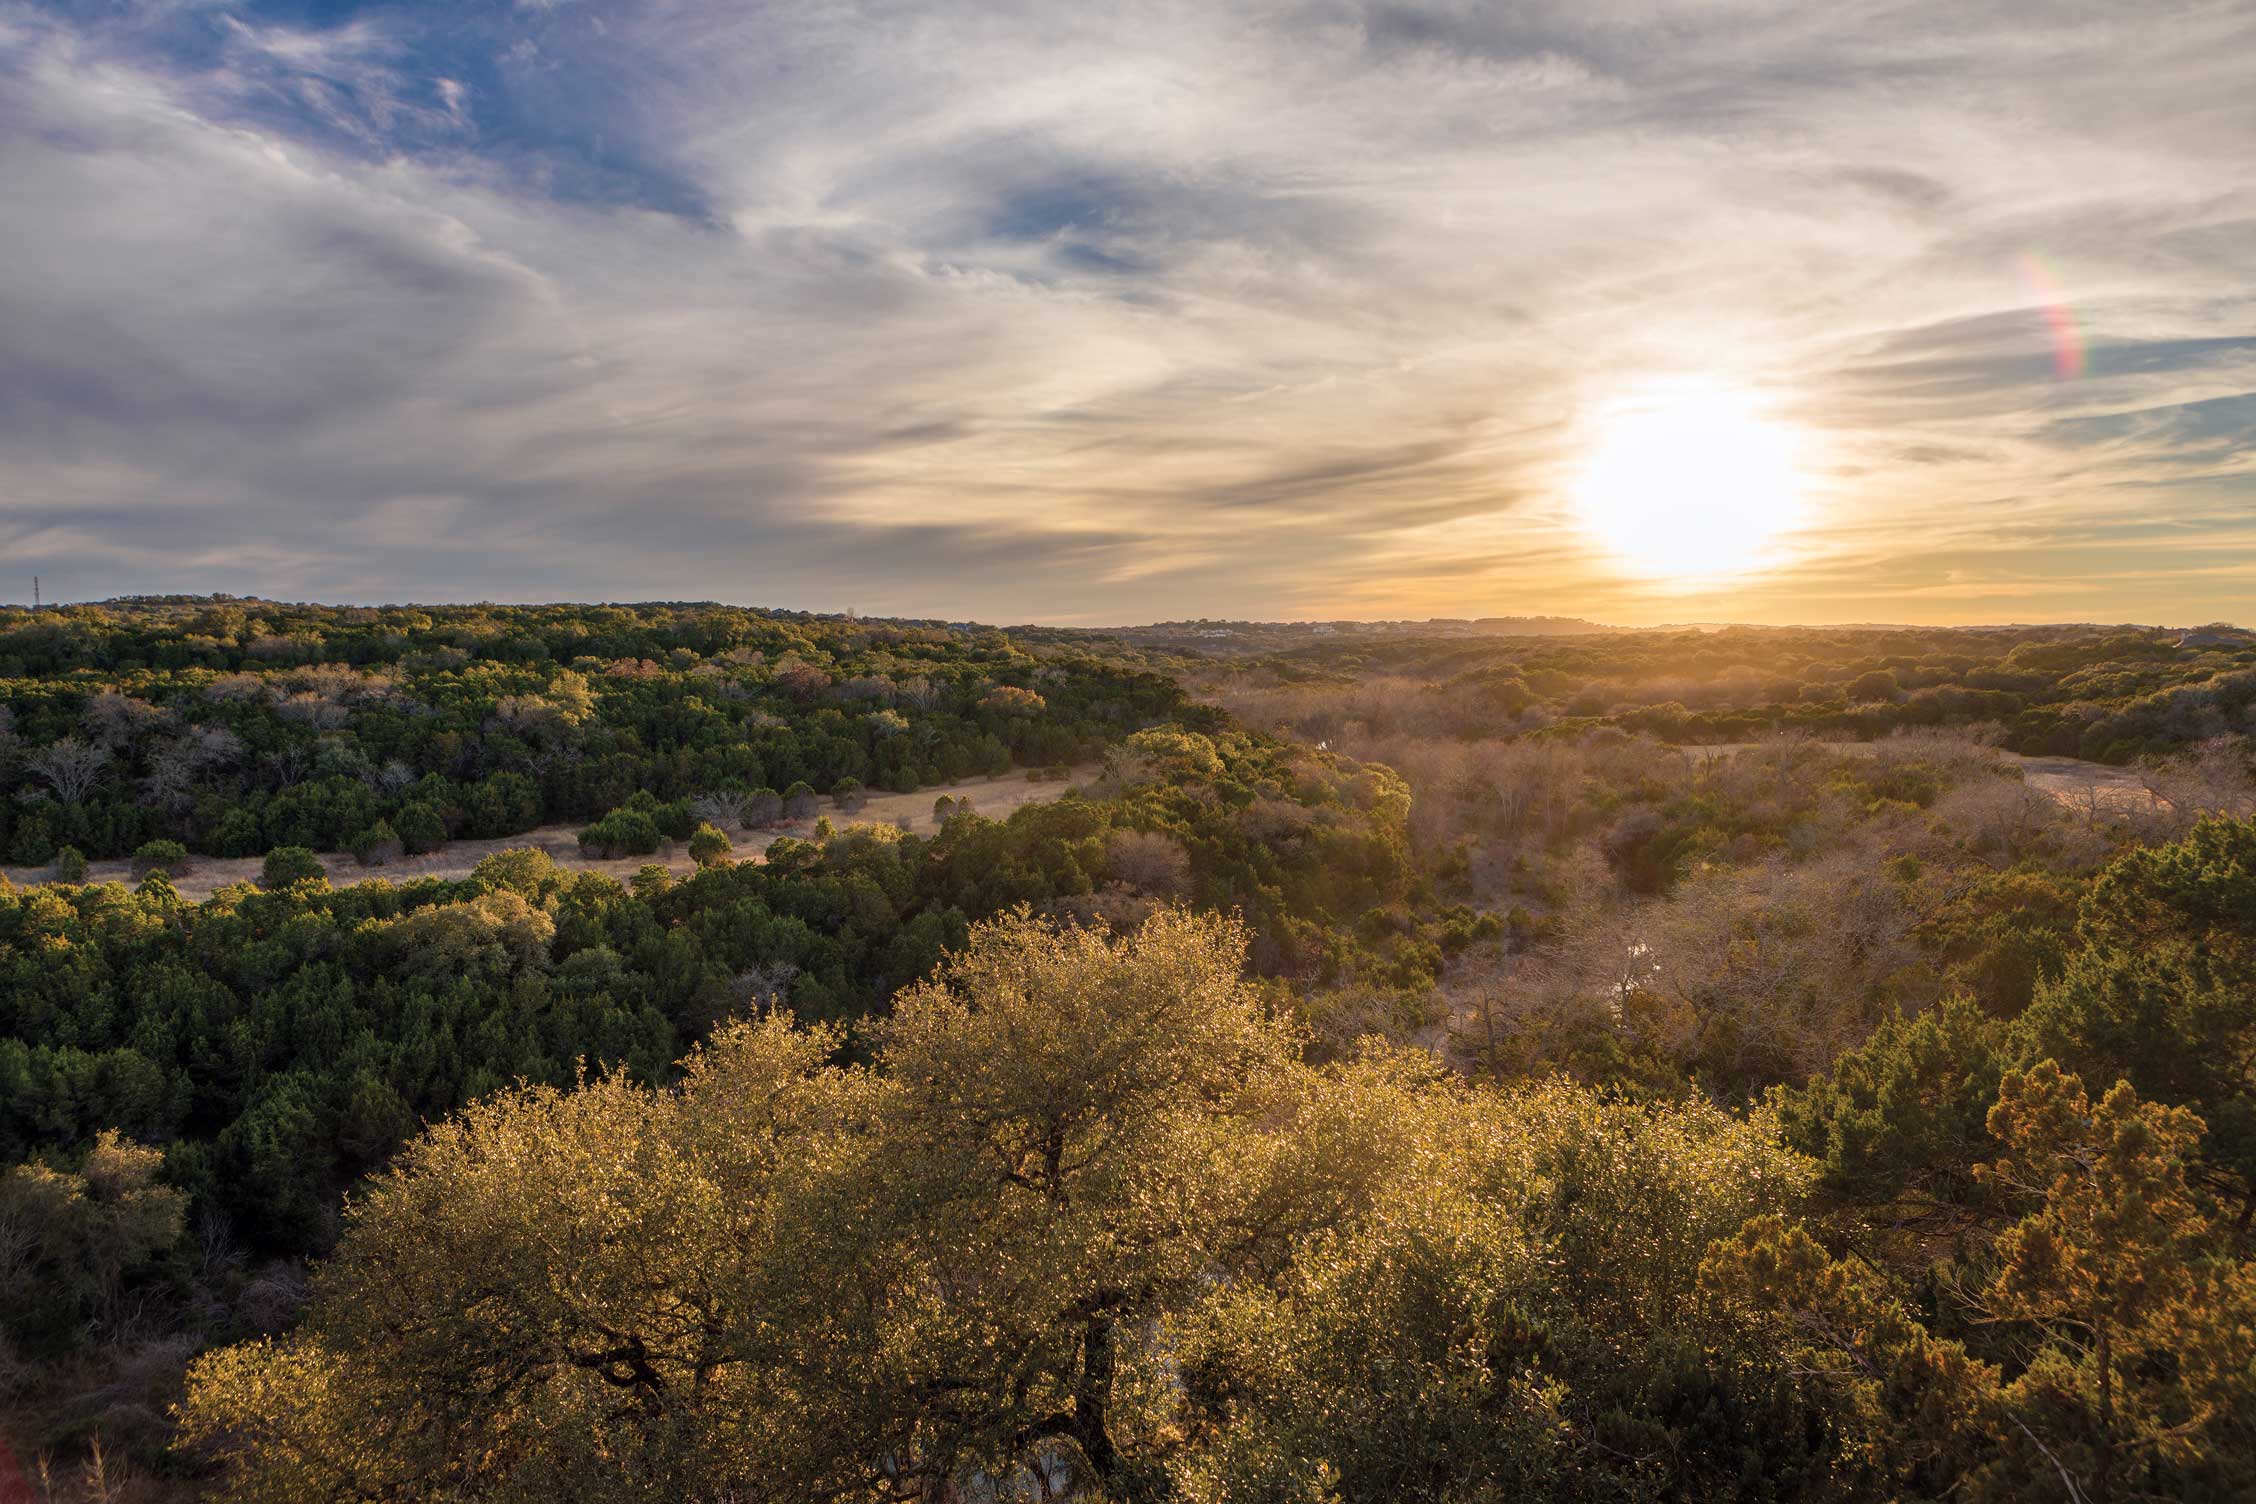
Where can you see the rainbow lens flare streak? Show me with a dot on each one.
(2067, 335)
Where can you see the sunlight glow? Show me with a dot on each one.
(1688, 483)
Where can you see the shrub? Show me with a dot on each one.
(675, 820)
(503, 804)
(420, 828)
(33, 845)
(237, 834)
(168, 857)
(762, 808)
(1877, 685)
(70, 865)
(623, 832)
(846, 793)
(1629, 850)
(285, 865)
(378, 844)
(707, 846)
(799, 801)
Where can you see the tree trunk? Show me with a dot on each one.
(2103, 1480)
(1093, 1394)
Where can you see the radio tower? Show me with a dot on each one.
(35, 592)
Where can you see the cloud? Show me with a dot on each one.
(1023, 311)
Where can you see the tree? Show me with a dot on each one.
(167, 857)
(799, 801)
(70, 1238)
(2123, 1314)
(1079, 1103)
(571, 697)
(1899, 1123)
(721, 810)
(2159, 992)
(802, 681)
(1148, 861)
(71, 767)
(1879, 684)
(421, 828)
(1510, 1316)
(376, 845)
(69, 866)
(285, 865)
(623, 832)
(763, 808)
(1009, 699)
(2143, 1328)
(708, 847)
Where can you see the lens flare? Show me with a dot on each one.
(2060, 318)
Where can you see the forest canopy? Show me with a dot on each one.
(1389, 1066)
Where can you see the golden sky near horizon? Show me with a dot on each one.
(1637, 310)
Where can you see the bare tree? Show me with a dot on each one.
(393, 779)
(119, 720)
(312, 709)
(2212, 778)
(215, 747)
(1148, 861)
(171, 783)
(72, 768)
(285, 767)
(717, 810)
(761, 989)
(179, 767)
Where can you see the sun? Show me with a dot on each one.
(1688, 483)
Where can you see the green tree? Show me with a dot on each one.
(69, 1239)
(2121, 1319)
(708, 847)
(2160, 992)
(623, 832)
(285, 865)
(421, 828)
(167, 857)
(2144, 1324)
(376, 845)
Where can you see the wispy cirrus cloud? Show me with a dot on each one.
(1018, 310)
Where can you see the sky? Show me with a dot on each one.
(1128, 311)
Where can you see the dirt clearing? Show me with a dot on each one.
(993, 797)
